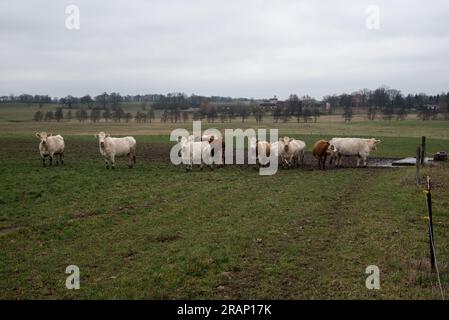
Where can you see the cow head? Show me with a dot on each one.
(285, 142)
(331, 150)
(43, 136)
(101, 136)
(373, 143)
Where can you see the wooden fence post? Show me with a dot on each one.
(429, 209)
(423, 150)
(418, 166)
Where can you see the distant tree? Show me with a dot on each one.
(277, 113)
(95, 115)
(49, 116)
(380, 97)
(388, 112)
(69, 115)
(258, 114)
(371, 112)
(118, 114)
(223, 117)
(102, 100)
(347, 114)
(150, 115)
(285, 113)
(59, 114)
(164, 116)
(316, 114)
(81, 115)
(115, 99)
(243, 112)
(128, 116)
(87, 100)
(230, 110)
(107, 115)
(295, 106)
(307, 115)
(401, 113)
(38, 116)
(446, 109)
(177, 115)
(333, 102)
(425, 112)
(185, 116)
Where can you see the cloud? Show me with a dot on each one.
(237, 48)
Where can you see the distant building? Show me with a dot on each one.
(269, 104)
(431, 107)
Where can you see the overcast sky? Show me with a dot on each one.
(243, 48)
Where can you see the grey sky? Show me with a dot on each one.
(254, 48)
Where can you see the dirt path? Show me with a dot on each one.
(318, 259)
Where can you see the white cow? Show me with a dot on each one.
(353, 147)
(217, 148)
(196, 152)
(50, 146)
(116, 147)
(259, 149)
(291, 151)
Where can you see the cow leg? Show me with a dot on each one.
(130, 161)
(43, 161)
(61, 158)
(324, 162)
(112, 162)
(51, 160)
(365, 163)
(358, 161)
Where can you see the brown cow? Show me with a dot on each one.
(217, 146)
(322, 149)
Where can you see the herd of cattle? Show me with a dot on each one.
(290, 152)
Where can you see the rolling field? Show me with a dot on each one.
(157, 232)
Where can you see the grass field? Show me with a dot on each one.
(158, 232)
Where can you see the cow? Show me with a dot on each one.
(292, 152)
(353, 147)
(116, 147)
(217, 147)
(51, 146)
(258, 149)
(321, 150)
(196, 152)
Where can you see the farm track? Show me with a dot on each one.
(318, 254)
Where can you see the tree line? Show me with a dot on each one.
(381, 103)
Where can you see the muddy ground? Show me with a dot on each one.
(153, 153)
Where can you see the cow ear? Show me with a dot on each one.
(49, 135)
(38, 135)
(96, 136)
(107, 135)
(211, 139)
